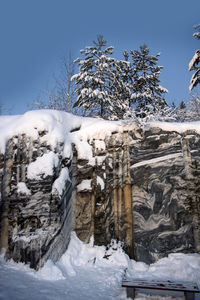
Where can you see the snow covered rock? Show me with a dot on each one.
(36, 211)
(36, 181)
(118, 180)
(149, 196)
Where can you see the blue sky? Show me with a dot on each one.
(36, 34)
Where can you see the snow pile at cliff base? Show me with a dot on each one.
(91, 272)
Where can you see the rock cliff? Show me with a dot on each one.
(36, 211)
(136, 184)
(139, 194)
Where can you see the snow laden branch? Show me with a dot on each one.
(194, 63)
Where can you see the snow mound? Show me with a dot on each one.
(177, 266)
(59, 183)
(65, 128)
(177, 127)
(56, 124)
(22, 189)
(91, 272)
(59, 127)
(43, 165)
(80, 254)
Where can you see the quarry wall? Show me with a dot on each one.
(36, 218)
(141, 188)
(144, 192)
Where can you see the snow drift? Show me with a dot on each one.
(90, 272)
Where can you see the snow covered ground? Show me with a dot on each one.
(83, 273)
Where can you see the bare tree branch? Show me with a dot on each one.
(62, 96)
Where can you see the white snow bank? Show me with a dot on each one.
(22, 189)
(91, 272)
(65, 128)
(100, 182)
(85, 185)
(100, 145)
(92, 128)
(57, 124)
(177, 127)
(59, 183)
(60, 127)
(84, 150)
(43, 165)
(81, 254)
(177, 266)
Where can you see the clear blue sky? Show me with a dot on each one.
(36, 34)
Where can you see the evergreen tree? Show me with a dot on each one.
(182, 105)
(142, 78)
(100, 89)
(194, 63)
(112, 88)
(180, 113)
(193, 112)
(189, 111)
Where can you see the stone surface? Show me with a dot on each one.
(148, 177)
(36, 225)
(141, 187)
(162, 224)
(105, 211)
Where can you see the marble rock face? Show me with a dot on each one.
(36, 218)
(161, 173)
(147, 178)
(135, 188)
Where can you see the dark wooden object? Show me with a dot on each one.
(189, 288)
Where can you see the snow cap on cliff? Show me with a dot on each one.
(63, 127)
(60, 127)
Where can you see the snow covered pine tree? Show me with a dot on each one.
(100, 89)
(193, 65)
(143, 82)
